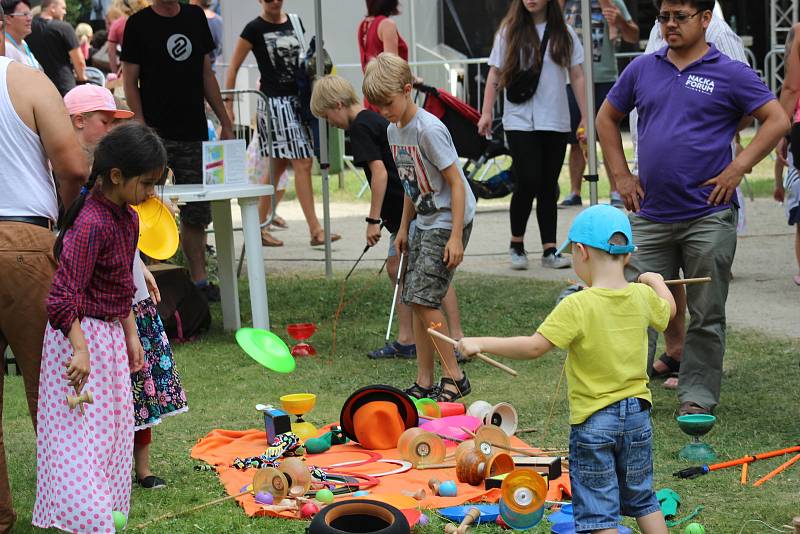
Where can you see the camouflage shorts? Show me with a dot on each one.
(185, 158)
(427, 278)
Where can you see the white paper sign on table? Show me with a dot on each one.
(224, 162)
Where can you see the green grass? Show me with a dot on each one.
(759, 410)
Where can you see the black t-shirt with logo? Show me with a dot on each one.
(369, 143)
(51, 41)
(170, 52)
(277, 51)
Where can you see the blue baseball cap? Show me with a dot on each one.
(594, 227)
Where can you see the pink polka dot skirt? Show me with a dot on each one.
(83, 468)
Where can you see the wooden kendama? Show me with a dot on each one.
(472, 515)
(77, 401)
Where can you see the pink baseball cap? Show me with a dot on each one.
(89, 97)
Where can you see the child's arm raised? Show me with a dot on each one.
(379, 182)
(454, 250)
(516, 348)
(656, 281)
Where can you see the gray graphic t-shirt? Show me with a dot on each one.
(605, 64)
(421, 149)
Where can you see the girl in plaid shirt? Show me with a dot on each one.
(91, 342)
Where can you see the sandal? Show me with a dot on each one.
(462, 389)
(692, 408)
(319, 238)
(279, 222)
(268, 240)
(394, 349)
(418, 392)
(673, 367)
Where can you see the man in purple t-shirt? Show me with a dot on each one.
(690, 100)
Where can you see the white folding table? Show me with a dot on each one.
(247, 197)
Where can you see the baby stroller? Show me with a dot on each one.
(461, 120)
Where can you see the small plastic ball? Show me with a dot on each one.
(309, 510)
(500, 523)
(120, 521)
(694, 528)
(325, 496)
(423, 520)
(448, 489)
(264, 497)
(361, 493)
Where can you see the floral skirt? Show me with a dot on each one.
(157, 390)
(83, 470)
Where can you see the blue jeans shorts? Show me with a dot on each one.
(611, 465)
(412, 228)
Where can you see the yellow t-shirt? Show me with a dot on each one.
(605, 332)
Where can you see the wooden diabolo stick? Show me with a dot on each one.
(687, 281)
(776, 471)
(190, 510)
(479, 355)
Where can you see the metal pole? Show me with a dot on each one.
(413, 56)
(591, 133)
(323, 146)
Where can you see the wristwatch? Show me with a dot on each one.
(370, 220)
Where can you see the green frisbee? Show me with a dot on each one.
(266, 348)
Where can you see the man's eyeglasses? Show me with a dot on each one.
(28, 15)
(679, 16)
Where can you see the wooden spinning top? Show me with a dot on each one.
(78, 401)
(472, 515)
(471, 467)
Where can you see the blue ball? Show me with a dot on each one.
(361, 493)
(448, 489)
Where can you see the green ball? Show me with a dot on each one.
(120, 521)
(325, 496)
(694, 528)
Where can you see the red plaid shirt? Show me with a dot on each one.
(94, 276)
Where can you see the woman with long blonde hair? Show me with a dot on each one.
(534, 51)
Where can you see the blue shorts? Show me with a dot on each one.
(611, 466)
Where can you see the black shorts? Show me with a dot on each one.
(600, 92)
(185, 158)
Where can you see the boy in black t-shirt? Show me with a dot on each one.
(335, 100)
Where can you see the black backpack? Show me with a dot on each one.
(183, 308)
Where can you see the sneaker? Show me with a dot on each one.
(556, 261)
(572, 200)
(394, 350)
(519, 261)
(151, 482)
(616, 200)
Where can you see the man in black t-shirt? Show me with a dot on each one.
(55, 46)
(168, 77)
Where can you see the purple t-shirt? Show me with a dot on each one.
(687, 121)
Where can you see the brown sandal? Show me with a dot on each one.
(319, 238)
(279, 222)
(268, 240)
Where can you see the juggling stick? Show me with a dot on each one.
(743, 481)
(78, 401)
(190, 510)
(394, 297)
(687, 281)
(472, 515)
(479, 355)
(694, 472)
(775, 471)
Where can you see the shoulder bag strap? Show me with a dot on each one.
(298, 30)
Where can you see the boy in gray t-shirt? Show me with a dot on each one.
(437, 193)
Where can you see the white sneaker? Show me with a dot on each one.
(519, 262)
(556, 261)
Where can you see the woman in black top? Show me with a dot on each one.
(277, 49)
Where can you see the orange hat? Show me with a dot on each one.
(376, 416)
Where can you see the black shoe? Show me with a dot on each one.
(572, 200)
(462, 389)
(151, 482)
(418, 392)
(394, 350)
(210, 292)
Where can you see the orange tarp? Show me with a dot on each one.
(220, 447)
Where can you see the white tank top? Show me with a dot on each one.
(26, 183)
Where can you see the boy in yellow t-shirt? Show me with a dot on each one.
(604, 329)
